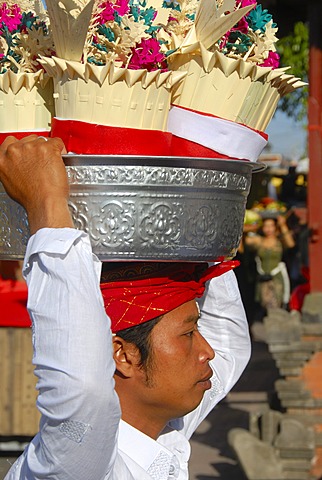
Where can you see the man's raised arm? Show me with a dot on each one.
(71, 332)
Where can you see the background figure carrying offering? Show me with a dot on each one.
(273, 285)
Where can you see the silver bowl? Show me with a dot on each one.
(147, 208)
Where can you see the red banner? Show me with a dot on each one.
(88, 138)
(20, 135)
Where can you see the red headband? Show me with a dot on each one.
(136, 294)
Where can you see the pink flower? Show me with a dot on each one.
(11, 16)
(245, 3)
(122, 7)
(273, 60)
(242, 26)
(107, 15)
(147, 55)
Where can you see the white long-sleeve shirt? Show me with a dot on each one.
(81, 435)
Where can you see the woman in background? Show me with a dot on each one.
(273, 285)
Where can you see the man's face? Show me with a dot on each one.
(180, 372)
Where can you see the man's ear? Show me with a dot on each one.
(126, 356)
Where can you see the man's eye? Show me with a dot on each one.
(195, 329)
(189, 334)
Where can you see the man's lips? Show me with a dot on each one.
(207, 377)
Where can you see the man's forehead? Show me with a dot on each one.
(185, 314)
(195, 313)
(191, 319)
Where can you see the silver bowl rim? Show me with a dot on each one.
(73, 159)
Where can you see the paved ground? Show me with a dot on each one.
(212, 458)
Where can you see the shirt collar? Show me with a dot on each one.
(142, 449)
(164, 455)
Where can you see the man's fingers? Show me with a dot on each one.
(10, 140)
(60, 144)
(55, 142)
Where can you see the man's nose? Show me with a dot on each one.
(206, 351)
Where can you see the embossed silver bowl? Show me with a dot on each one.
(147, 208)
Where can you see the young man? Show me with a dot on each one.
(159, 372)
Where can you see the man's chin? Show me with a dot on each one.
(193, 406)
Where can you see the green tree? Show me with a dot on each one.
(294, 51)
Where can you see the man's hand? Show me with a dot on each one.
(33, 174)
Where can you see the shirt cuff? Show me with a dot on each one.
(52, 240)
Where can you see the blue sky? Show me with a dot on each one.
(286, 136)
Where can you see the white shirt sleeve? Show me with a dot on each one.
(224, 325)
(74, 365)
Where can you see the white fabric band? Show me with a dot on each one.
(223, 136)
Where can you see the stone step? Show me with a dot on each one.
(301, 346)
(309, 403)
(298, 355)
(290, 372)
(311, 328)
(289, 475)
(284, 395)
(296, 454)
(295, 385)
(297, 465)
(289, 363)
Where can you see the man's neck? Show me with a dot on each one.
(139, 418)
(137, 412)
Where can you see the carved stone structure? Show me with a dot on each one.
(276, 447)
(292, 440)
(298, 355)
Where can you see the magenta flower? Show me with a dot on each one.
(242, 26)
(273, 60)
(122, 7)
(107, 14)
(10, 16)
(245, 3)
(147, 55)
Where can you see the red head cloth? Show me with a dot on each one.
(139, 292)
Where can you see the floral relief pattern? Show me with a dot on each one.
(202, 226)
(160, 224)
